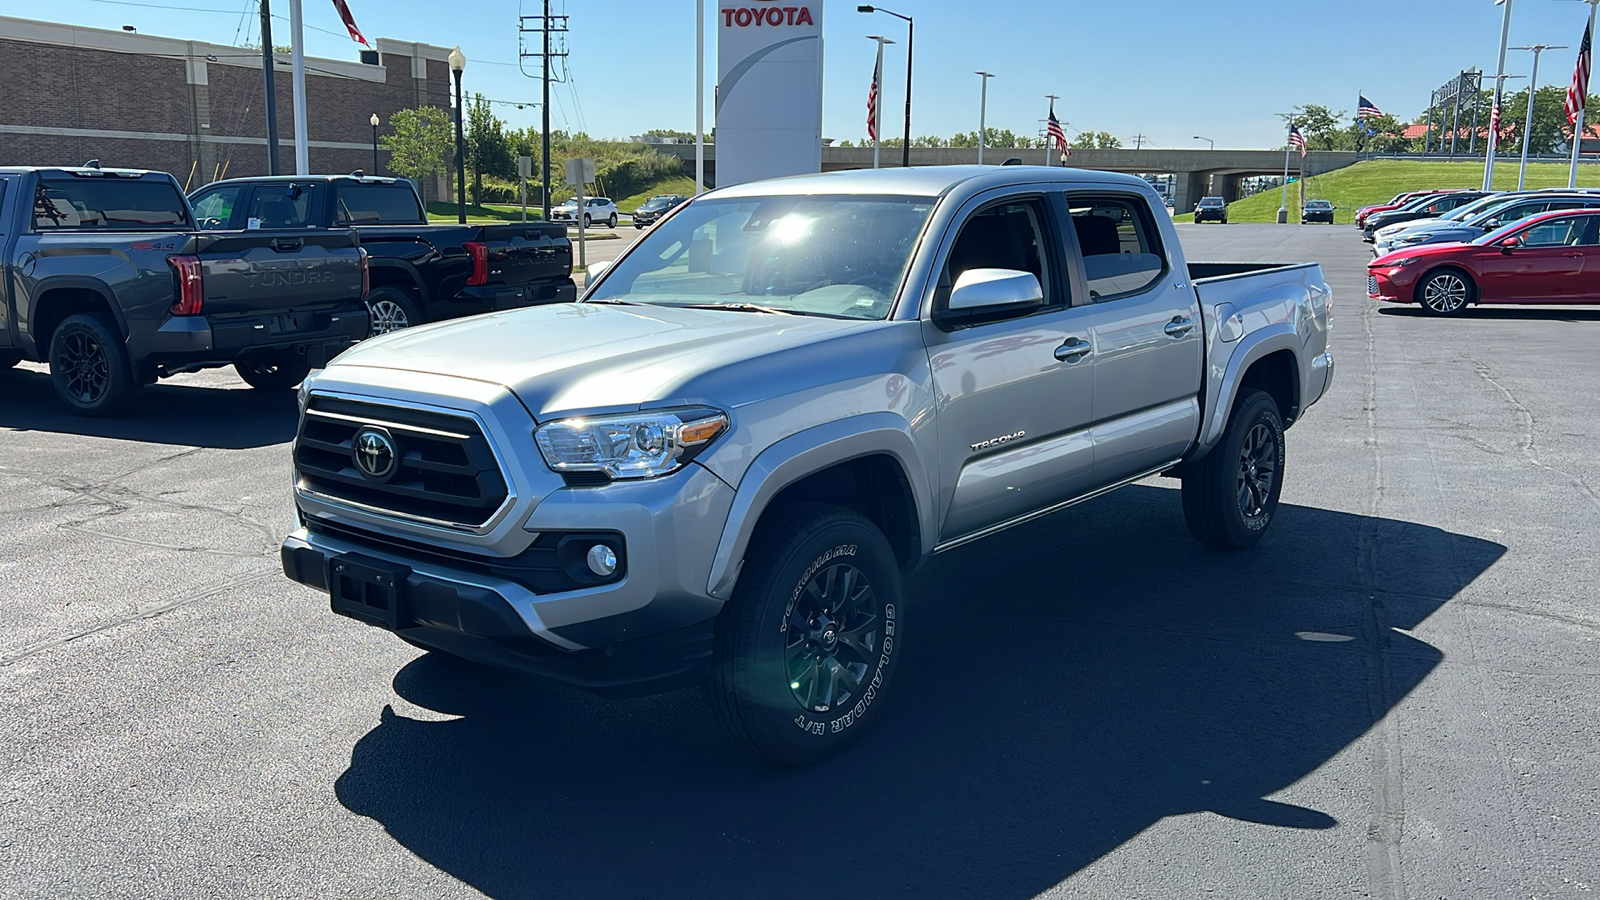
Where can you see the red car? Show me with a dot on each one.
(1398, 201)
(1547, 259)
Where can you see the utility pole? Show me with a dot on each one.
(547, 25)
(297, 61)
(271, 84)
(1138, 141)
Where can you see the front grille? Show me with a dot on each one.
(1372, 285)
(444, 472)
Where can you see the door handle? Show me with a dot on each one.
(1070, 352)
(1179, 326)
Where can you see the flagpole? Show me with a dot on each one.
(877, 102)
(1050, 151)
(699, 101)
(297, 62)
(983, 109)
(1577, 131)
(1499, 86)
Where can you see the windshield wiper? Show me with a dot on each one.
(742, 306)
(614, 301)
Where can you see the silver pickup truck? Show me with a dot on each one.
(722, 463)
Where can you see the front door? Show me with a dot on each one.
(1148, 338)
(1546, 268)
(1015, 395)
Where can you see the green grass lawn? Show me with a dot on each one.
(1375, 181)
(488, 214)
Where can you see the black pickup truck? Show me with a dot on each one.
(420, 272)
(104, 275)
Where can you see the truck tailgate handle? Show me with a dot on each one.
(287, 245)
(1179, 326)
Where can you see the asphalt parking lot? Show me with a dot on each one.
(1393, 696)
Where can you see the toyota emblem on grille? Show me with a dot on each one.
(374, 452)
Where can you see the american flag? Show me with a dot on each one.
(350, 22)
(1366, 109)
(1054, 134)
(1578, 93)
(1295, 140)
(872, 101)
(1494, 120)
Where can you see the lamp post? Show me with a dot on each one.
(458, 63)
(1533, 91)
(1208, 141)
(877, 102)
(983, 108)
(374, 120)
(1499, 85)
(905, 150)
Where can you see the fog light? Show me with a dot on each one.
(602, 560)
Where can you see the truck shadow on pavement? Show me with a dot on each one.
(166, 413)
(1068, 684)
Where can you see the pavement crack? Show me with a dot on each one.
(1526, 441)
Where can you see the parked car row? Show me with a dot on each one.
(1215, 209)
(1483, 215)
(118, 280)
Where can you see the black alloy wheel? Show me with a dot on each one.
(832, 637)
(89, 366)
(1230, 495)
(1258, 471)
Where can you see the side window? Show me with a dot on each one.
(1564, 232)
(283, 206)
(214, 210)
(1007, 235)
(1121, 247)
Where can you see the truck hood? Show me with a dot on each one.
(581, 357)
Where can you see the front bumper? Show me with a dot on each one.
(646, 632)
(1389, 286)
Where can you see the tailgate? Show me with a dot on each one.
(255, 272)
(521, 254)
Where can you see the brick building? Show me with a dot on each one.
(193, 108)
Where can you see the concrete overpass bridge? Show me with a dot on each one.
(1199, 172)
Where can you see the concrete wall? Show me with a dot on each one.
(192, 108)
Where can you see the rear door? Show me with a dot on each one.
(1546, 268)
(1015, 394)
(1148, 341)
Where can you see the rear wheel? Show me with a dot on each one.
(586, 222)
(279, 371)
(89, 366)
(1231, 496)
(390, 309)
(1446, 292)
(809, 643)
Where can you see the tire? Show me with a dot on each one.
(1446, 292)
(1224, 220)
(274, 372)
(586, 222)
(1231, 496)
(89, 367)
(391, 309)
(612, 222)
(776, 685)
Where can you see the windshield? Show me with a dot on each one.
(842, 257)
(1467, 211)
(1318, 204)
(1211, 202)
(571, 201)
(1555, 231)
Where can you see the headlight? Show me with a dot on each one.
(1414, 238)
(632, 445)
(1403, 261)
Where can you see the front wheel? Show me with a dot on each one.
(274, 372)
(586, 222)
(612, 222)
(1446, 292)
(809, 643)
(89, 367)
(1231, 496)
(390, 309)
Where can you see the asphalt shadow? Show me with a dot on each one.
(166, 413)
(1527, 313)
(1067, 684)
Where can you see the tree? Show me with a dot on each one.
(1381, 134)
(488, 146)
(1550, 126)
(420, 143)
(1319, 125)
(992, 137)
(670, 136)
(1096, 140)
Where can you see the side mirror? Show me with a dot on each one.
(595, 270)
(995, 290)
(1510, 244)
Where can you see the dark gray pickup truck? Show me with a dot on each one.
(420, 272)
(108, 280)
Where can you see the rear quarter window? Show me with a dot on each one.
(108, 203)
(377, 204)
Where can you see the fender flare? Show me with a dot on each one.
(1251, 348)
(807, 452)
(377, 262)
(70, 282)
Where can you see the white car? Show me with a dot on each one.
(595, 209)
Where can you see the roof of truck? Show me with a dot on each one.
(925, 181)
(348, 176)
(80, 170)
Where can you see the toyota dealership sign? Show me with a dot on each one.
(769, 89)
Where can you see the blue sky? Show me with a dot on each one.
(1169, 69)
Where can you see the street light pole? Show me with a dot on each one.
(983, 109)
(911, 34)
(1499, 85)
(1208, 141)
(1533, 92)
(374, 120)
(458, 63)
